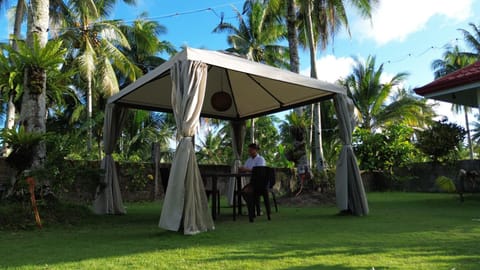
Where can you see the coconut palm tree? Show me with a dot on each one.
(144, 50)
(32, 116)
(256, 37)
(145, 46)
(214, 148)
(285, 12)
(11, 78)
(476, 130)
(371, 98)
(320, 21)
(19, 17)
(144, 129)
(472, 40)
(10, 92)
(452, 60)
(95, 50)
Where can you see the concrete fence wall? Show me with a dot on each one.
(136, 181)
(420, 177)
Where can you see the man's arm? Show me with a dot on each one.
(244, 169)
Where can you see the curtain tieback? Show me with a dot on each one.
(181, 137)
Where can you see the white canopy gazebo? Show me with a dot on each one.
(215, 84)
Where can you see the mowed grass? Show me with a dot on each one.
(403, 231)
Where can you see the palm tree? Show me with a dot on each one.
(144, 129)
(472, 40)
(293, 132)
(214, 149)
(144, 50)
(256, 37)
(321, 20)
(145, 45)
(32, 116)
(94, 42)
(452, 60)
(11, 80)
(476, 130)
(20, 12)
(370, 97)
(267, 137)
(10, 93)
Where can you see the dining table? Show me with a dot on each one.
(237, 200)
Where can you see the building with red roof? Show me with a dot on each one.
(459, 87)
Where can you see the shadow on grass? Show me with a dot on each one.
(293, 233)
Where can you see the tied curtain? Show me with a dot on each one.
(238, 131)
(108, 198)
(185, 205)
(350, 194)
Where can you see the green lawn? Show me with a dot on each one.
(403, 231)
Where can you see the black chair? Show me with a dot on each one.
(210, 192)
(164, 175)
(262, 179)
(274, 199)
(271, 182)
(272, 177)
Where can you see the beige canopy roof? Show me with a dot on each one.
(256, 89)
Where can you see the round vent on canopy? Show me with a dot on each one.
(221, 101)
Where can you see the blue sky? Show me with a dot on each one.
(406, 35)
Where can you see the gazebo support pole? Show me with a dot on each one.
(467, 125)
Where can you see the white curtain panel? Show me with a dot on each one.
(185, 205)
(108, 199)
(238, 131)
(350, 194)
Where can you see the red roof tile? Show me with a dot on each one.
(466, 75)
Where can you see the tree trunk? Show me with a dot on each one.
(319, 160)
(317, 125)
(11, 110)
(33, 112)
(17, 26)
(90, 113)
(9, 121)
(292, 36)
(310, 136)
(467, 125)
(252, 130)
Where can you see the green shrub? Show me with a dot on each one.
(384, 150)
(441, 141)
(23, 144)
(445, 184)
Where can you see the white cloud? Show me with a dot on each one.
(394, 20)
(330, 68)
(387, 77)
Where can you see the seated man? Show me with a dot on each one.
(254, 159)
